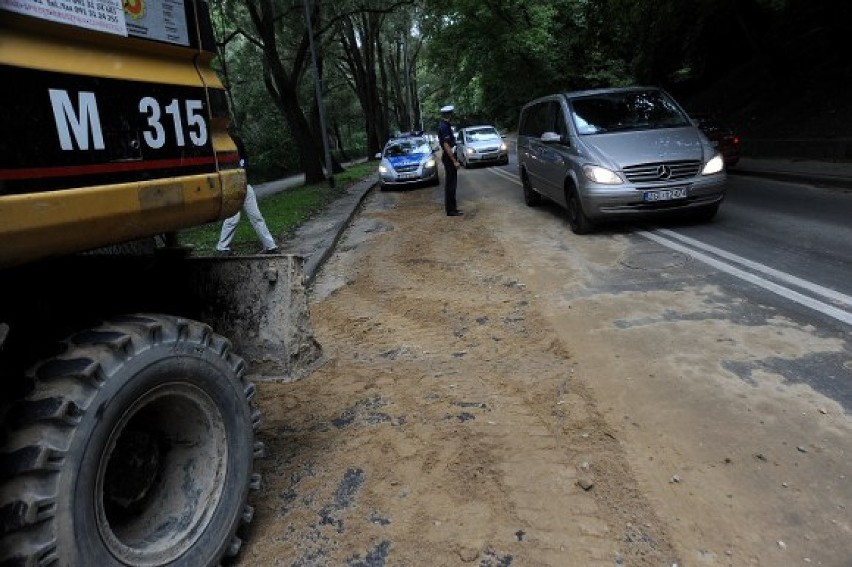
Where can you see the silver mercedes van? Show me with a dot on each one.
(617, 153)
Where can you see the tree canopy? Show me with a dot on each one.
(387, 65)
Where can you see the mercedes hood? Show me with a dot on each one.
(618, 150)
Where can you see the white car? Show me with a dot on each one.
(481, 145)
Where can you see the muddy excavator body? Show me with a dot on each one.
(127, 420)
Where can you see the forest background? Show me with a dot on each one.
(771, 69)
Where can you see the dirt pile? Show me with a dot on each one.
(500, 392)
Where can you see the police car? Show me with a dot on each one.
(407, 161)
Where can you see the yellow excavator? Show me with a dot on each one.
(127, 426)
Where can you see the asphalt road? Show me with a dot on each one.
(781, 247)
(799, 230)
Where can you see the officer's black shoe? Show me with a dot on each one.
(455, 214)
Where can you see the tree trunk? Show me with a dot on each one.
(282, 88)
(343, 155)
(361, 60)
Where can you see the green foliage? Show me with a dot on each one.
(498, 55)
(267, 67)
(282, 211)
(384, 61)
(268, 141)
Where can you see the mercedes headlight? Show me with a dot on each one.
(714, 165)
(602, 175)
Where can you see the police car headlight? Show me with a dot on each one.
(471, 151)
(601, 175)
(430, 164)
(714, 165)
(503, 147)
(383, 168)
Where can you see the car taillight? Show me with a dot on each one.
(735, 140)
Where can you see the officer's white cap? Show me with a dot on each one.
(448, 109)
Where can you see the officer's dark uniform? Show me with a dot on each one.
(445, 134)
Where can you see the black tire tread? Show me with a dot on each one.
(45, 420)
(582, 224)
(531, 197)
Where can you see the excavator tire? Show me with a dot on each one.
(134, 447)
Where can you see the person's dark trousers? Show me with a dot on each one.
(451, 177)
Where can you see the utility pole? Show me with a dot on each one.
(420, 99)
(320, 101)
(407, 72)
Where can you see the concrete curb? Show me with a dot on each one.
(316, 239)
(350, 204)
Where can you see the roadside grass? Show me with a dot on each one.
(283, 212)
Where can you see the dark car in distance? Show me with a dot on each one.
(723, 138)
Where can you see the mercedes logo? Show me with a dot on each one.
(664, 172)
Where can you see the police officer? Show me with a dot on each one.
(447, 141)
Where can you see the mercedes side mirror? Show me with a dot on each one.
(554, 138)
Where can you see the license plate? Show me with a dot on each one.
(407, 176)
(664, 195)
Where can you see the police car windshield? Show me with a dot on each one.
(407, 146)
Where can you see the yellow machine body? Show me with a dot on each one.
(109, 138)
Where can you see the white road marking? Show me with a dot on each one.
(826, 309)
(792, 295)
(834, 296)
(506, 174)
